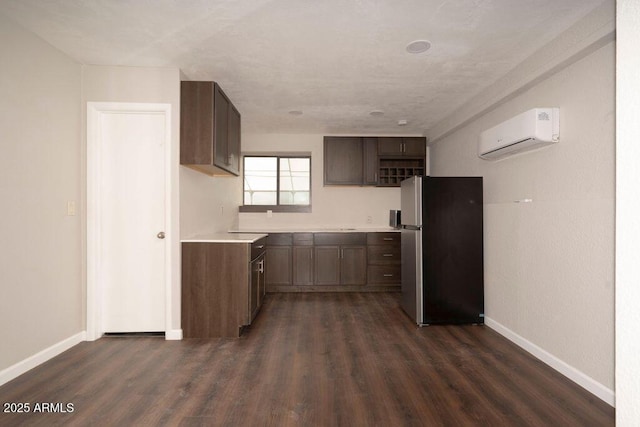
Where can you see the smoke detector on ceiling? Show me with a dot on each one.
(418, 46)
(402, 122)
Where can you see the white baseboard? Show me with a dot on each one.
(583, 380)
(31, 362)
(173, 334)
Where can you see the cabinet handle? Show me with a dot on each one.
(261, 266)
(387, 238)
(388, 275)
(260, 246)
(342, 253)
(387, 254)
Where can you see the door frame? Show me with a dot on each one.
(94, 285)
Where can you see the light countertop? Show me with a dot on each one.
(224, 238)
(319, 230)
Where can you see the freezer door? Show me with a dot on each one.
(411, 201)
(412, 298)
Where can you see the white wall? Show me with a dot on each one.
(152, 85)
(208, 204)
(332, 207)
(549, 264)
(40, 246)
(627, 214)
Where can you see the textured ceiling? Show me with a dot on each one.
(334, 60)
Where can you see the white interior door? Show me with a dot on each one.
(130, 213)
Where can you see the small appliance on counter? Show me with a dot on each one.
(395, 219)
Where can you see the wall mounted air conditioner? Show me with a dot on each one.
(527, 131)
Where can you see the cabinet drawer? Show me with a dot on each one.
(386, 254)
(323, 239)
(391, 238)
(279, 239)
(303, 239)
(383, 274)
(258, 247)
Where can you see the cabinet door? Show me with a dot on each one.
(196, 131)
(353, 265)
(278, 265)
(209, 129)
(262, 288)
(343, 161)
(383, 254)
(383, 274)
(221, 129)
(402, 146)
(254, 289)
(233, 153)
(370, 159)
(389, 146)
(326, 266)
(414, 146)
(303, 265)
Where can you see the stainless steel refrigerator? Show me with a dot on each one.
(442, 250)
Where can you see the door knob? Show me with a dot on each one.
(161, 235)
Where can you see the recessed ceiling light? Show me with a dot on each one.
(295, 112)
(418, 46)
(402, 122)
(376, 113)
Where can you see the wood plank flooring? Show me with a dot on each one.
(309, 359)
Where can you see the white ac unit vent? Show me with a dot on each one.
(527, 131)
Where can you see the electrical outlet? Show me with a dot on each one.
(269, 213)
(369, 219)
(71, 208)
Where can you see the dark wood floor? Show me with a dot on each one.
(350, 359)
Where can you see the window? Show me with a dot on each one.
(278, 183)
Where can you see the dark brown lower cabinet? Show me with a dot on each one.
(303, 265)
(279, 261)
(340, 258)
(222, 287)
(353, 265)
(326, 265)
(298, 262)
(383, 257)
(257, 293)
(340, 265)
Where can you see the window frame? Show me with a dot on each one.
(277, 207)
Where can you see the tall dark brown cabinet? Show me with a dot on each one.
(209, 129)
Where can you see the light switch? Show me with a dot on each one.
(71, 208)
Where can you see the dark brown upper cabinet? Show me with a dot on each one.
(402, 146)
(400, 158)
(209, 129)
(370, 158)
(350, 160)
(343, 160)
(376, 161)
